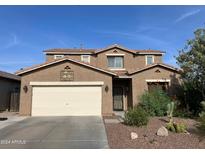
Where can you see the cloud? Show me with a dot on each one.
(137, 36)
(13, 41)
(144, 29)
(186, 15)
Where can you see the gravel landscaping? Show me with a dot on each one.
(119, 135)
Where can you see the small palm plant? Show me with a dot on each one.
(170, 110)
(171, 125)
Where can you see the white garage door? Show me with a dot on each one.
(67, 100)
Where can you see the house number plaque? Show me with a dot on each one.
(67, 75)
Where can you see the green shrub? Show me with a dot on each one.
(136, 117)
(176, 127)
(155, 102)
(182, 110)
(170, 127)
(202, 117)
(182, 113)
(189, 99)
(202, 122)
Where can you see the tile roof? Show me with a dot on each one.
(69, 50)
(9, 76)
(20, 72)
(148, 51)
(96, 51)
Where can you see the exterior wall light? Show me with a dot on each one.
(106, 88)
(25, 88)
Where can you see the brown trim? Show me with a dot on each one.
(61, 60)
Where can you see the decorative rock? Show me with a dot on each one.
(186, 132)
(153, 141)
(162, 131)
(133, 135)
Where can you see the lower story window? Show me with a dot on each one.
(158, 85)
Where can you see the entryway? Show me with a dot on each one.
(122, 94)
(118, 98)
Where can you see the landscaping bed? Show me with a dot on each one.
(119, 135)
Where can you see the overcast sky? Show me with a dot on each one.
(25, 31)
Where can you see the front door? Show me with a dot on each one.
(118, 98)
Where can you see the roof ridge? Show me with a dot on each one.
(78, 49)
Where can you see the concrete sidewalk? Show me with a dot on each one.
(12, 119)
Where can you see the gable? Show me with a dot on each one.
(114, 51)
(157, 68)
(58, 62)
(114, 48)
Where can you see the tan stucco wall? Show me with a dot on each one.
(49, 57)
(52, 73)
(157, 59)
(103, 62)
(74, 57)
(139, 83)
(131, 61)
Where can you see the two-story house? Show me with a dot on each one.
(93, 81)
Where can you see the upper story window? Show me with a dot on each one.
(149, 59)
(85, 58)
(116, 62)
(58, 56)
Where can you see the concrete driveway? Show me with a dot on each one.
(55, 132)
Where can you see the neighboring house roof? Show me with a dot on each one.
(9, 76)
(26, 70)
(155, 65)
(96, 51)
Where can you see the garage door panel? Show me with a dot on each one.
(66, 101)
